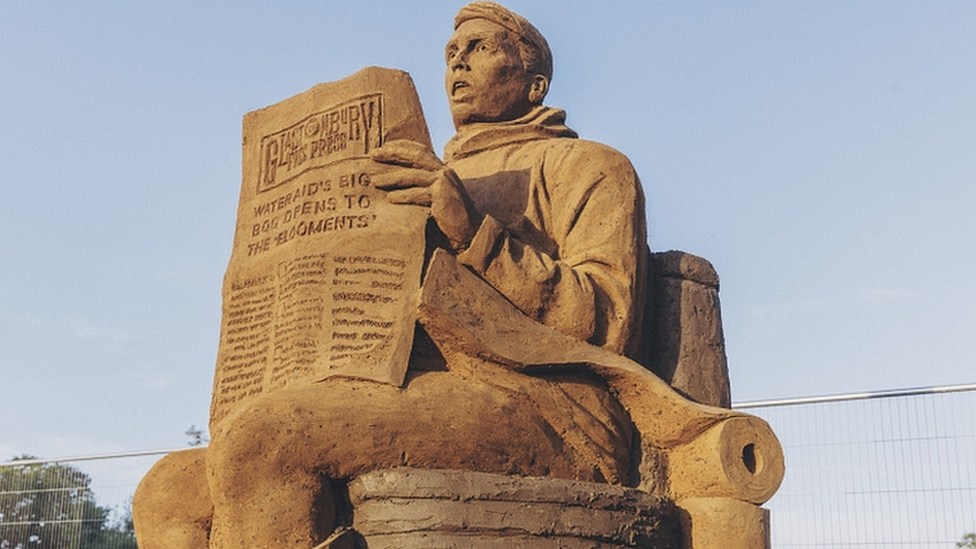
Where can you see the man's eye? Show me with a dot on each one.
(483, 47)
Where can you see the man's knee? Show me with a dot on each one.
(263, 439)
(240, 440)
(172, 508)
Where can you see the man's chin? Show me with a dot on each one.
(462, 114)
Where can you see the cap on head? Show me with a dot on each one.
(535, 52)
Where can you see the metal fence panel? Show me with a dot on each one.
(890, 472)
(70, 503)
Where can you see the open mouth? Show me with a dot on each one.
(458, 85)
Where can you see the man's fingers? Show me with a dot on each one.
(419, 196)
(401, 179)
(403, 152)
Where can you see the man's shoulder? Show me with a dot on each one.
(561, 160)
(584, 146)
(581, 156)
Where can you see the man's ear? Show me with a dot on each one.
(538, 89)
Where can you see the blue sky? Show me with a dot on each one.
(821, 154)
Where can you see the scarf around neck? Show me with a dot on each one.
(539, 123)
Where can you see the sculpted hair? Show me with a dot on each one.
(533, 48)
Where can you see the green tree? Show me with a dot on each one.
(51, 505)
(119, 533)
(197, 437)
(968, 542)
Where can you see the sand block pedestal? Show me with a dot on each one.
(408, 508)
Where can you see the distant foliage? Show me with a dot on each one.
(51, 505)
(197, 437)
(968, 542)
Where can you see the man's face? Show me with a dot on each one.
(485, 79)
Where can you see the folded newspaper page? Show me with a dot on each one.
(324, 276)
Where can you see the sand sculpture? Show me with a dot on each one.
(459, 353)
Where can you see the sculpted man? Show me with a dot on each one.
(554, 223)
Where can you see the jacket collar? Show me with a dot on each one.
(540, 123)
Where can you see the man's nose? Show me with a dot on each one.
(459, 61)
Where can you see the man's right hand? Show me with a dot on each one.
(418, 177)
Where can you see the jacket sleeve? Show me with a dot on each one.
(591, 286)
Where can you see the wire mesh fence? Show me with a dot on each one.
(879, 470)
(882, 470)
(70, 503)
